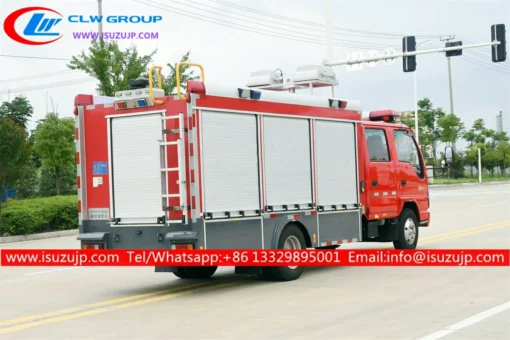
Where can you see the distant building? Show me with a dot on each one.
(499, 122)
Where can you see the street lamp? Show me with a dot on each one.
(416, 100)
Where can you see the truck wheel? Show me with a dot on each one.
(291, 238)
(195, 272)
(408, 230)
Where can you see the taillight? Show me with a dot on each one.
(93, 246)
(188, 246)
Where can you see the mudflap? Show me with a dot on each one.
(374, 231)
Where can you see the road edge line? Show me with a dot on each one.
(38, 236)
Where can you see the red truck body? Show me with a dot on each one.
(240, 169)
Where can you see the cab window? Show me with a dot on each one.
(408, 151)
(377, 145)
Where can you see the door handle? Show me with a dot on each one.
(374, 183)
(404, 182)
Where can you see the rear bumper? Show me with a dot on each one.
(142, 237)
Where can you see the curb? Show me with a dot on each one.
(41, 236)
(457, 185)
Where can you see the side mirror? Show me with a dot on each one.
(448, 152)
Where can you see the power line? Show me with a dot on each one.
(49, 85)
(31, 57)
(473, 61)
(484, 60)
(482, 47)
(43, 75)
(482, 53)
(278, 28)
(248, 29)
(315, 24)
(308, 28)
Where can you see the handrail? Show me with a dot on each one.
(178, 76)
(159, 83)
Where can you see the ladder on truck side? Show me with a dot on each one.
(180, 169)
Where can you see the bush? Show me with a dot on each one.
(38, 215)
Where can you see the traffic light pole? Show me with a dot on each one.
(451, 87)
(407, 54)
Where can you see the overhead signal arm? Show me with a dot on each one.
(409, 53)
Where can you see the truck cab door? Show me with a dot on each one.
(381, 173)
(411, 170)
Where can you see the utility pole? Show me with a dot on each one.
(100, 13)
(479, 165)
(447, 39)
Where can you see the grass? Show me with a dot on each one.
(485, 179)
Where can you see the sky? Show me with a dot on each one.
(232, 38)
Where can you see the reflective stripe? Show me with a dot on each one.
(78, 168)
(338, 242)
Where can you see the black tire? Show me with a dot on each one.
(199, 273)
(408, 230)
(291, 231)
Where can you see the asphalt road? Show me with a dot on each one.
(325, 303)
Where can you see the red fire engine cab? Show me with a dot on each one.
(254, 167)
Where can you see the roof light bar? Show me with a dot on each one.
(244, 93)
(383, 115)
(248, 93)
(255, 94)
(337, 103)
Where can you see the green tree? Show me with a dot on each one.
(428, 129)
(185, 74)
(111, 66)
(19, 110)
(503, 155)
(14, 152)
(490, 161)
(450, 128)
(471, 158)
(479, 131)
(54, 142)
(27, 184)
(67, 181)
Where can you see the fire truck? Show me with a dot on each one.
(260, 166)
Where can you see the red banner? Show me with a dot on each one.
(270, 257)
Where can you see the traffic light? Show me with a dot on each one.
(453, 53)
(498, 33)
(409, 45)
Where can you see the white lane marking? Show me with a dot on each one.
(489, 196)
(467, 322)
(51, 271)
(491, 205)
(463, 210)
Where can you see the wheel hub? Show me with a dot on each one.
(410, 231)
(292, 242)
